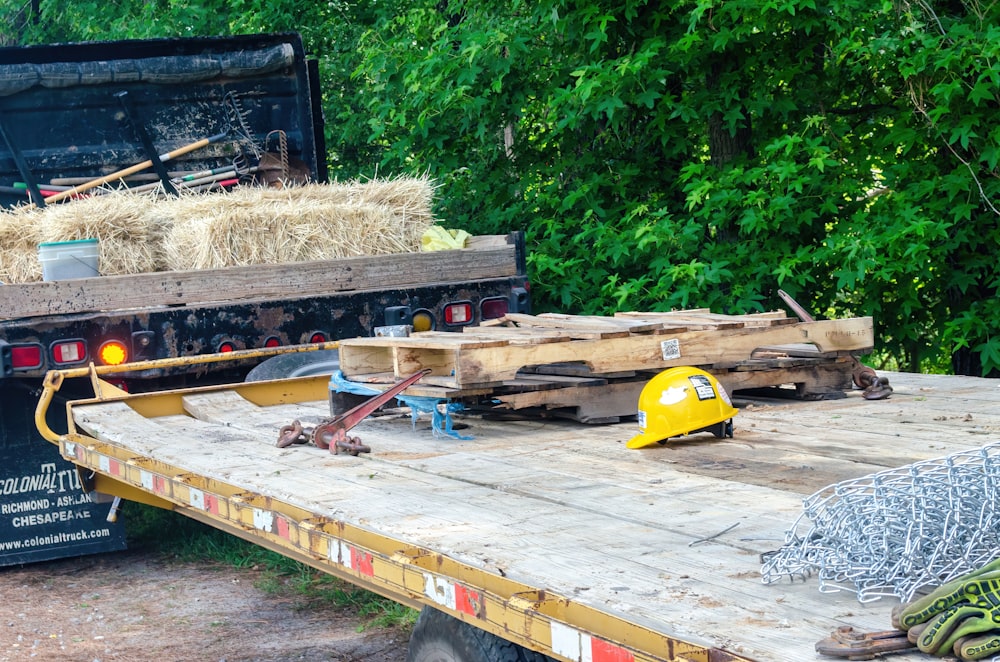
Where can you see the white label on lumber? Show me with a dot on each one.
(670, 349)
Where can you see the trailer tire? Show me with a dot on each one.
(438, 637)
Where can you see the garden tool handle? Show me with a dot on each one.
(125, 172)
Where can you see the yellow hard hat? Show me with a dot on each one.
(682, 401)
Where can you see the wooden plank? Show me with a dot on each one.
(454, 365)
(707, 320)
(604, 401)
(258, 282)
(515, 335)
(541, 334)
(632, 325)
(810, 380)
(585, 403)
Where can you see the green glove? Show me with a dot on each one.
(941, 599)
(960, 621)
(976, 647)
(976, 619)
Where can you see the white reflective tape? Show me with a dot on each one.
(570, 643)
(263, 519)
(104, 462)
(439, 590)
(197, 498)
(70, 448)
(344, 550)
(146, 480)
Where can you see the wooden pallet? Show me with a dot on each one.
(592, 369)
(488, 356)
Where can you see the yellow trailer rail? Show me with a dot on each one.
(548, 534)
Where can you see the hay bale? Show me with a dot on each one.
(140, 233)
(249, 226)
(130, 235)
(19, 245)
(244, 227)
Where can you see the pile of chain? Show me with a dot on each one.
(896, 531)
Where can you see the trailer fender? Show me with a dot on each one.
(283, 366)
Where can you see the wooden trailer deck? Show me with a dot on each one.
(548, 532)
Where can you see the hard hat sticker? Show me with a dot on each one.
(673, 395)
(703, 387)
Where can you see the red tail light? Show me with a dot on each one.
(272, 341)
(317, 337)
(26, 357)
(458, 313)
(495, 308)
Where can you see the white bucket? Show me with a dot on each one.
(62, 260)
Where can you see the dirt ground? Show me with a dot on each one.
(131, 606)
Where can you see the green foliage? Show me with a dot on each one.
(698, 153)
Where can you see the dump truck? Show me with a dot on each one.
(76, 119)
(524, 528)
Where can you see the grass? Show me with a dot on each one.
(172, 534)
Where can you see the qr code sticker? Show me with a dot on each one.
(670, 349)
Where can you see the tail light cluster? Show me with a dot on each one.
(65, 353)
(71, 352)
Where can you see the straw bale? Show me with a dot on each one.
(19, 245)
(139, 232)
(249, 226)
(129, 235)
(244, 227)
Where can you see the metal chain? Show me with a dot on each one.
(897, 531)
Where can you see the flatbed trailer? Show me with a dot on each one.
(547, 533)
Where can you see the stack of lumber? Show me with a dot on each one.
(592, 368)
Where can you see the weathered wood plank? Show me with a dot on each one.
(292, 280)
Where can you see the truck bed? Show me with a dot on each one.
(550, 533)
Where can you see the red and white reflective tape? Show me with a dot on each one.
(576, 645)
(202, 501)
(452, 595)
(109, 465)
(75, 450)
(352, 558)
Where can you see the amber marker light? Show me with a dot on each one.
(423, 321)
(113, 352)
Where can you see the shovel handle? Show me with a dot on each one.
(125, 172)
